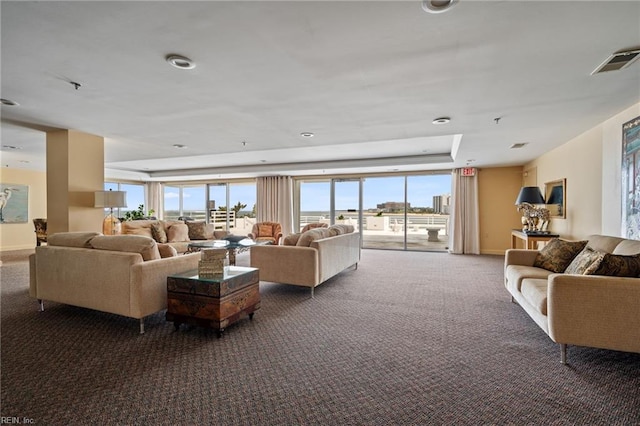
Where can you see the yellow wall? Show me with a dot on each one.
(497, 192)
(591, 164)
(18, 236)
(75, 170)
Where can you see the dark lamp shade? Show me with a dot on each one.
(110, 199)
(530, 194)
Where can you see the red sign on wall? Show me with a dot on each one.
(468, 171)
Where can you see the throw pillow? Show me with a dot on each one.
(558, 254)
(146, 246)
(197, 230)
(617, 265)
(265, 231)
(312, 235)
(292, 240)
(586, 262)
(158, 233)
(167, 250)
(178, 233)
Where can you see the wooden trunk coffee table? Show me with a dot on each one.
(213, 302)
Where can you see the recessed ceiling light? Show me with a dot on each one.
(307, 134)
(9, 102)
(263, 161)
(441, 120)
(179, 146)
(518, 145)
(25, 161)
(438, 6)
(181, 62)
(10, 147)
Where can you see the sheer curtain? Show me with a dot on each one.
(156, 198)
(465, 229)
(275, 201)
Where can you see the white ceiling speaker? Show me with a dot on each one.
(438, 6)
(181, 62)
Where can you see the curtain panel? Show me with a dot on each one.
(155, 197)
(275, 201)
(465, 222)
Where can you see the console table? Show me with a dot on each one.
(213, 302)
(530, 238)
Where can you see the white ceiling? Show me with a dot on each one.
(367, 78)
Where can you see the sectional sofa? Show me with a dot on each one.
(176, 233)
(587, 294)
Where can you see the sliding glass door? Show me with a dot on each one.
(346, 202)
(384, 212)
(391, 212)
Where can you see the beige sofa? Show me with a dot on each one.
(583, 310)
(176, 233)
(308, 259)
(121, 274)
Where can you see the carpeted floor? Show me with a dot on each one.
(407, 338)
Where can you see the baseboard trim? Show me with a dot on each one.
(497, 252)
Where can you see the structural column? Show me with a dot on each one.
(75, 170)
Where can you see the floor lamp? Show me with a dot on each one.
(111, 200)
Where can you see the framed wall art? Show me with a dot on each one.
(14, 203)
(555, 196)
(631, 179)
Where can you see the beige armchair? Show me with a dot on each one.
(266, 231)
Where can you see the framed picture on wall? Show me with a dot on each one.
(14, 203)
(631, 179)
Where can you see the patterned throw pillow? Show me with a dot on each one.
(158, 233)
(617, 265)
(586, 262)
(197, 230)
(558, 254)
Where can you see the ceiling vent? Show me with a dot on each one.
(618, 61)
(518, 145)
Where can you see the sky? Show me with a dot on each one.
(315, 196)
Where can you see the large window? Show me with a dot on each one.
(315, 202)
(135, 196)
(184, 201)
(409, 212)
(232, 206)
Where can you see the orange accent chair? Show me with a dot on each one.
(266, 231)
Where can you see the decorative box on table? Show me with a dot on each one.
(212, 263)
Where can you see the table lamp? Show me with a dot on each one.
(110, 199)
(527, 198)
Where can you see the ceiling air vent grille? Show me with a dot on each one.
(518, 145)
(618, 61)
